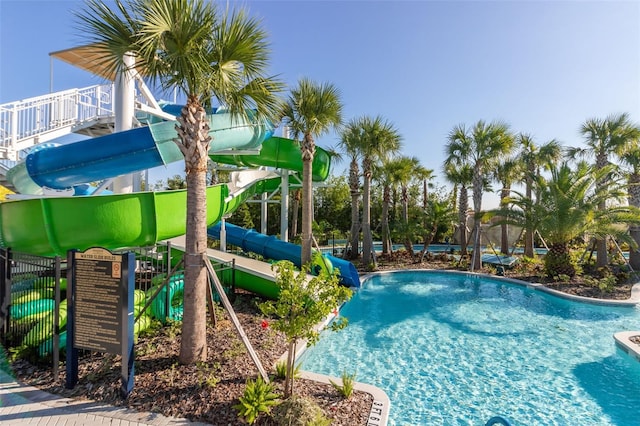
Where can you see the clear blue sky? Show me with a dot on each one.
(544, 67)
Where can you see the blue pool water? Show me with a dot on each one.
(457, 349)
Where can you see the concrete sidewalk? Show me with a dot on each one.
(21, 405)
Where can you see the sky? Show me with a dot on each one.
(543, 67)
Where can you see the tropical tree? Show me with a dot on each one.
(438, 212)
(480, 147)
(188, 45)
(301, 306)
(385, 174)
(534, 159)
(461, 175)
(408, 169)
(605, 139)
(506, 172)
(378, 139)
(568, 209)
(349, 142)
(311, 110)
(631, 159)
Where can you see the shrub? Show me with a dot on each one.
(348, 381)
(299, 411)
(281, 370)
(258, 397)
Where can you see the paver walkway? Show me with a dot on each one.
(21, 405)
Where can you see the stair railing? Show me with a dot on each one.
(30, 121)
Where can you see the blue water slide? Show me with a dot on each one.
(272, 248)
(121, 153)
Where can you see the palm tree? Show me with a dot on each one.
(378, 140)
(569, 208)
(408, 169)
(506, 172)
(461, 175)
(187, 45)
(311, 111)
(437, 213)
(534, 158)
(480, 147)
(605, 139)
(349, 139)
(385, 174)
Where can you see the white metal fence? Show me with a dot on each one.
(35, 120)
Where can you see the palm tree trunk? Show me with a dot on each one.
(307, 210)
(504, 228)
(529, 231)
(601, 244)
(386, 239)
(634, 230)
(295, 212)
(477, 208)
(367, 239)
(355, 227)
(463, 206)
(193, 346)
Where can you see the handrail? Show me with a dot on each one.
(32, 119)
(497, 420)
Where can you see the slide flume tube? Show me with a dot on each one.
(281, 153)
(51, 226)
(272, 248)
(121, 153)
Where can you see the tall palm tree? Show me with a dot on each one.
(188, 45)
(349, 140)
(480, 147)
(379, 139)
(408, 169)
(605, 139)
(385, 174)
(506, 172)
(461, 175)
(312, 110)
(534, 158)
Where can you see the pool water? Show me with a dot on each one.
(458, 349)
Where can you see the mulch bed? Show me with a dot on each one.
(205, 392)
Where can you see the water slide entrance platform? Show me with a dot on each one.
(250, 274)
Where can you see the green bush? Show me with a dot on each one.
(258, 398)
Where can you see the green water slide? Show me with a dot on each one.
(281, 153)
(52, 225)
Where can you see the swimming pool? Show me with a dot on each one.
(457, 349)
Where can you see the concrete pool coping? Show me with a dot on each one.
(623, 341)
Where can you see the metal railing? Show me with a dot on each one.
(28, 122)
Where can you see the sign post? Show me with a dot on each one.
(100, 309)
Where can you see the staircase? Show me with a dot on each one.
(32, 121)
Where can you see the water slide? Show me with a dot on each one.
(93, 160)
(272, 248)
(52, 225)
